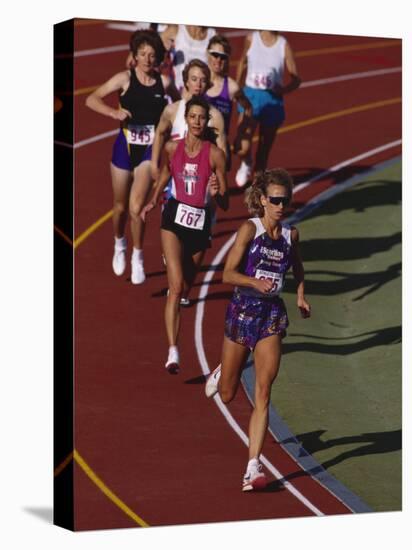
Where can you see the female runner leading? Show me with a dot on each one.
(256, 318)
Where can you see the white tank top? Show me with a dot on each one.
(186, 49)
(265, 64)
(179, 127)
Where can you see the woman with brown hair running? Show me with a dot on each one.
(186, 217)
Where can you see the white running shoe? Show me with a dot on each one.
(243, 174)
(119, 257)
(254, 478)
(173, 359)
(138, 275)
(212, 382)
(185, 302)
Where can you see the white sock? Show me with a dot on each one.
(253, 462)
(120, 242)
(138, 254)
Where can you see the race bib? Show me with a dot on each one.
(190, 217)
(140, 134)
(263, 81)
(275, 278)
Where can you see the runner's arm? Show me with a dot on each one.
(170, 88)
(219, 166)
(242, 65)
(162, 132)
(95, 101)
(295, 80)
(218, 124)
(231, 274)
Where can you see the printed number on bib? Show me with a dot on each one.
(263, 81)
(190, 217)
(275, 278)
(140, 135)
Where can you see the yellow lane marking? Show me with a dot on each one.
(63, 465)
(63, 235)
(336, 114)
(282, 130)
(105, 490)
(303, 53)
(92, 228)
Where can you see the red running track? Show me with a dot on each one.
(154, 440)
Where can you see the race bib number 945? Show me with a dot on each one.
(140, 134)
(190, 217)
(275, 278)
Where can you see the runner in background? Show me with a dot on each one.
(256, 317)
(172, 124)
(225, 90)
(186, 217)
(186, 42)
(265, 56)
(142, 99)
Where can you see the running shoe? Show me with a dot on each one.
(243, 174)
(185, 302)
(172, 363)
(212, 382)
(138, 274)
(254, 478)
(119, 257)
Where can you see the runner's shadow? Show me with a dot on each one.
(274, 486)
(384, 337)
(196, 380)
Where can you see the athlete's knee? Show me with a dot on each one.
(176, 288)
(120, 208)
(227, 393)
(135, 208)
(262, 395)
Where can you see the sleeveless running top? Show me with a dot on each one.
(145, 103)
(223, 103)
(267, 258)
(265, 64)
(186, 49)
(179, 126)
(190, 175)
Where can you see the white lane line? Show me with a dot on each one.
(352, 76)
(97, 51)
(87, 141)
(130, 27)
(96, 138)
(205, 369)
(200, 309)
(346, 163)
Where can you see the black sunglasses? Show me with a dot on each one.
(219, 55)
(277, 200)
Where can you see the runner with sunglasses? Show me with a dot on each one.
(256, 317)
(225, 90)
